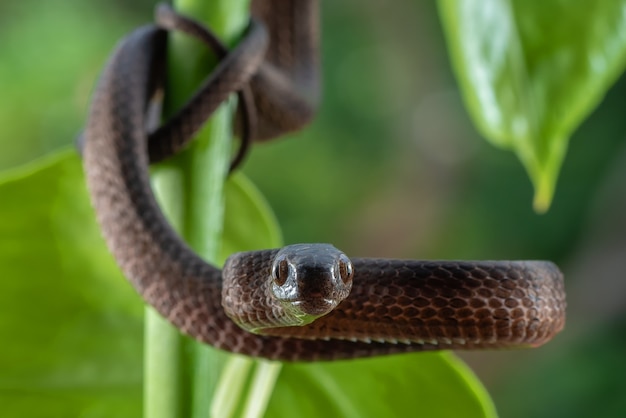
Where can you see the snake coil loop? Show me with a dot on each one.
(318, 304)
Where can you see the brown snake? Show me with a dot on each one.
(393, 306)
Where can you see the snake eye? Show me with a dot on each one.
(345, 269)
(280, 271)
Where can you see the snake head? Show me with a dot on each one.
(310, 280)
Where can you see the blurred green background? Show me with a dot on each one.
(392, 167)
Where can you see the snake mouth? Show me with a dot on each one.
(315, 307)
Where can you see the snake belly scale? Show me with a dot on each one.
(393, 306)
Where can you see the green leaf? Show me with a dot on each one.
(249, 221)
(423, 384)
(531, 71)
(71, 325)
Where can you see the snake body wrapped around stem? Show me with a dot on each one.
(393, 306)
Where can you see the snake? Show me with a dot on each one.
(301, 302)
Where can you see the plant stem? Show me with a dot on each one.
(231, 386)
(261, 388)
(180, 374)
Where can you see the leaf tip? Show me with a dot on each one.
(544, 191)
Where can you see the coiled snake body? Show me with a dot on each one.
(360, 307)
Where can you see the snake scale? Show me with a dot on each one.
(360, 307)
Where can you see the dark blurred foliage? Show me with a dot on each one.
(392, 167)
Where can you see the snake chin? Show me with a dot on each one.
(315, 307)
(303, 312)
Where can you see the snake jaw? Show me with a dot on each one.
(315, 308)
(303, 312)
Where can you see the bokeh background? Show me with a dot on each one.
(392, 167)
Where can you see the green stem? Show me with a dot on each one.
(181, 374)
(230, 388)
(261, 388)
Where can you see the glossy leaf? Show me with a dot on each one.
(71, 326)
(531, 71)
(423, 384)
